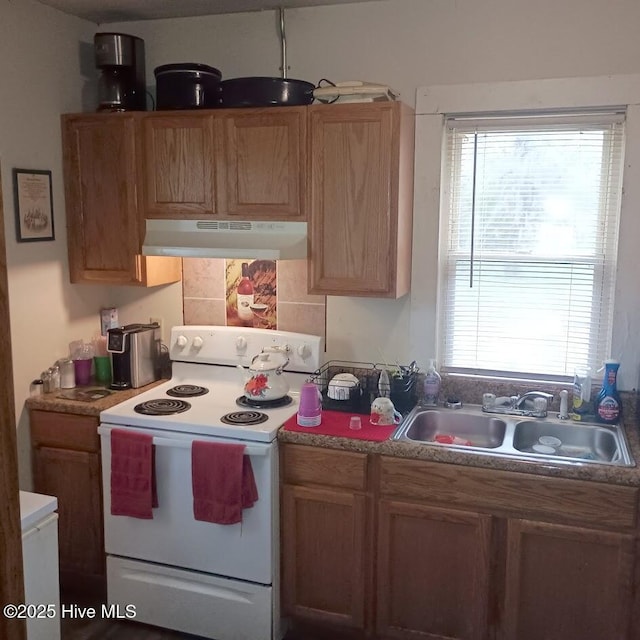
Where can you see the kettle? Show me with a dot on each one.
(264, 380)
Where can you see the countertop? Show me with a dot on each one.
(34, 507)
(629, 476)
(52, 401)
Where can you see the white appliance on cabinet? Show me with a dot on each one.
(212, 580)
(40, 564)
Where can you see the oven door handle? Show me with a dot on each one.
(186, 444)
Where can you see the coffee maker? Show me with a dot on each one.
(135, 355)
(122, 84)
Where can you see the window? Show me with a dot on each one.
(528, 242)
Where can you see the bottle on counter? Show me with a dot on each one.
(581, 406)
(245, 296)
(607, 404)
(432, 382)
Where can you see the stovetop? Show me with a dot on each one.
(204, 416)
(207, 357)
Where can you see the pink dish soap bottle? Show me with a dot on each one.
(608, 406)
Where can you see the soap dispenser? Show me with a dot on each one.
(432, 382)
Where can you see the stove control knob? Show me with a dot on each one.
(241, 343)
(197, 343)
(181, 342)
(303, 351)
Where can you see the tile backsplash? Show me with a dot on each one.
(204, 301)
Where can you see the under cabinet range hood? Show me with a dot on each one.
(226, 239)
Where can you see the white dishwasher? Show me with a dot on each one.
(40, 564)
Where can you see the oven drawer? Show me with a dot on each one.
(190, 601)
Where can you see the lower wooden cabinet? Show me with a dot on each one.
(324, 555)
(325, 537)
(66, 464)
(567, 582)
(433, 572)
(392, 548)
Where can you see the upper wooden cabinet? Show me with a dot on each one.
(361, 199)
(245, 163)
(179, 165)
(104, 225)
(264, 155)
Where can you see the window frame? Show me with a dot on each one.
(432, 102)
(603, 279)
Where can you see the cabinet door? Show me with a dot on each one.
(264, 163)
(180, 167)
(74, 478)
(354, 151)
(567, 582)
(103, 224)
(323, 555)
(433, 572)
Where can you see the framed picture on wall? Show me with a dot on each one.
(34, 205)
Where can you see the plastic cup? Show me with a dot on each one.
(83, 370)
(355, 423)
(102, 367)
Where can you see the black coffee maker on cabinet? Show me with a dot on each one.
(122, 82)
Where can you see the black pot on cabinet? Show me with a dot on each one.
(187, 85)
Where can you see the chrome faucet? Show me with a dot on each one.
(530, 396)
(532, 404)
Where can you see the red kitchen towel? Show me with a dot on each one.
(222, 482)
(133, 487)
(336, 423)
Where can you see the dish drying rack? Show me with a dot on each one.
(402, 387)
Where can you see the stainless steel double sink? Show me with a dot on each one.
(542, 439)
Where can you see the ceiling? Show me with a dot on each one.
(104, 11)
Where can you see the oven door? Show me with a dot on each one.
(246, 550)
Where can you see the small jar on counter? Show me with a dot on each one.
(36, 388)
(55, 377)
(46, 381)
(67, 373)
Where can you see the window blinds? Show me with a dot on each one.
(528, 242)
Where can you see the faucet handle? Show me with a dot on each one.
(488, 400)
(540, 405)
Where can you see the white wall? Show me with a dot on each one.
(42, 60)
(408, 44)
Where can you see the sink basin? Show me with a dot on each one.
(473, 431)
(478, 430)
(577, 441)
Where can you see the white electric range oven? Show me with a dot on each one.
(216, 581)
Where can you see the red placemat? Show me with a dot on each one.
(336, 423)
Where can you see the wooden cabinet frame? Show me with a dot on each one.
(465, 553)
(66, 463)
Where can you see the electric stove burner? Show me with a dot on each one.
(243, 401)
(161, 407)
(187, 391)
(244, 417)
